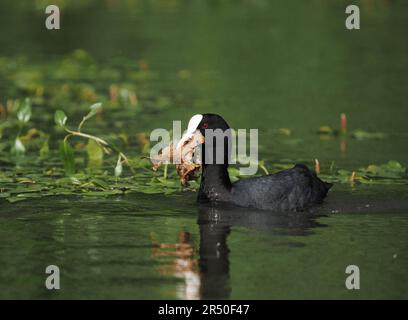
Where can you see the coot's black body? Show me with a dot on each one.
(294, 189)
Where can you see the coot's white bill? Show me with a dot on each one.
(192, 127)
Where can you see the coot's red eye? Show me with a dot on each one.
(204, 126)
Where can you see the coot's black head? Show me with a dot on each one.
(207, 122)
(215, 155)
(212, 121)
(217, 135)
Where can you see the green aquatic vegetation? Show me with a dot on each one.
(102, 184)
(261, 165)
(23, 116)
(16, 137)
(233, 173)
(391, 172)
(95, 155)
(363, 135)
(323, 130)
(358, 134)
(283, 131)
(44, 176)
(67, 152)
(69, 83)
(27, 183)
(391, 169)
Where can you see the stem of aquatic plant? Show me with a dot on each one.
(262, 166)
(61, 118)
(165, 170)
(102, 143)
(331, 166)
(99, 141)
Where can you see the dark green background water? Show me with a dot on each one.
(260, 64)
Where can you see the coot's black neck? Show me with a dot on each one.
(215, 183)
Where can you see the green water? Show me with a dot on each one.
(260, 64)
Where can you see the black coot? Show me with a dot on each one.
(295, 189)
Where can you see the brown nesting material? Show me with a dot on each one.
(183, 156)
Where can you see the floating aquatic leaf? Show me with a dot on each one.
(32, 134)
(66, 181)
(325, 130)
(24, 180)
(4, 194)
(363, 135)
(283, 131)
(392, 169)
(75, 180)
(100, 183)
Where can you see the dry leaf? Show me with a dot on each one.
(186, 166)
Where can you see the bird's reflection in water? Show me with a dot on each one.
(214, 254)
(209, 278)
(216, 223)
(183, 266)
